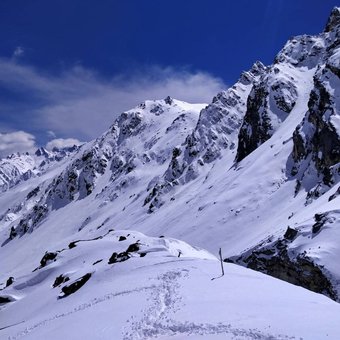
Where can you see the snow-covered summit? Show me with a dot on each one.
(19, 167)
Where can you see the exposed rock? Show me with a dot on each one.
(9, 281)
(274, 260)
(119, 257)
(256, 127)
(96, 262)
(13, 233)
(73, 287)
(290, 234)
(20, 167)
(316, 142)
(336, 194)
(133, 247)
(270, 101)
(334, 20)
(320, 220)
(6, 299)
(31, 220)
(73, 244)
(60, 279)
(32, 193)
(168, 100)
(47, 258)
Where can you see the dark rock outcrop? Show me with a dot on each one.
(290, 234)
(316, 141)
(9, 281)
(119, 257)
(47, 258)
(6, 299)
(133, 247)
(76, 285)
(334, 20)
(276, 259)
(60, 279)
(256, 127)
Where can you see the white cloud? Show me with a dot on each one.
(62, 143)
(51, 134)
(17, 141)
(81, 104)
(18, 52)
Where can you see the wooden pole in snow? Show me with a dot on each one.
(220, 253)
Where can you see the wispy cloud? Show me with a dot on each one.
(18, 52)
(79, 103)
(17, 141)
(60, 143)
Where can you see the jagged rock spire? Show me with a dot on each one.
(168, 100)
(333, 20)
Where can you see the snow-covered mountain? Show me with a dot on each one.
(20, 167)
(255, 172)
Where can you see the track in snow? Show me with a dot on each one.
(77, 309)
(165, 301)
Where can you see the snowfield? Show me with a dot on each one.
(160, 295)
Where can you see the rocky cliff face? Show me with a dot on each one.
(270, 101)
(316, 151)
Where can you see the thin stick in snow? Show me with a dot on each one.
(221, 260)
(220, 253)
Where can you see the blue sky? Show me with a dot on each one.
(68, 67)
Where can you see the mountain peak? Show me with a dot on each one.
(168, 100)
(41, 152)
(333, 20)
(257, 68)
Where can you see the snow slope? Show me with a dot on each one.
(159, 295)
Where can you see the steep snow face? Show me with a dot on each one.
(125, 285)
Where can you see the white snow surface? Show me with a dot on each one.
(160, 296)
